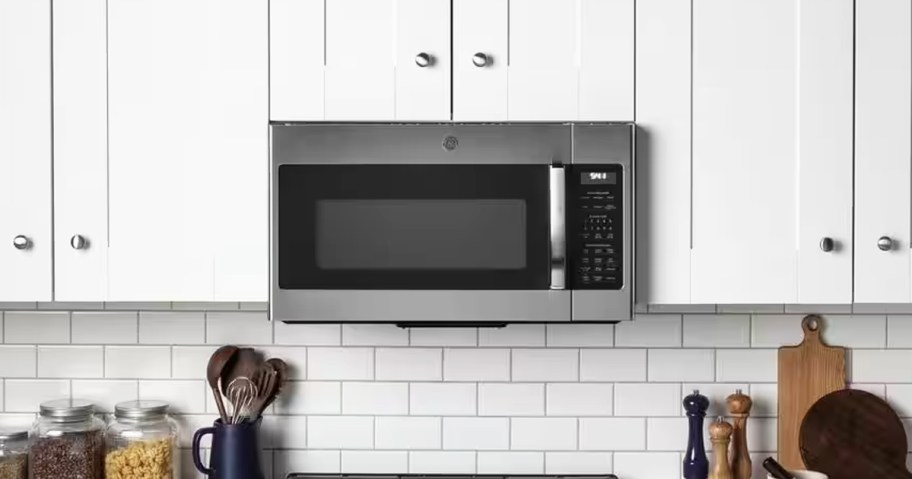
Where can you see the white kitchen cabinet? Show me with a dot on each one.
(543, 60)
(188, 150)
(771, 151)
(360, 60)
(26, 243)
(883, 160)
(663, 96)
(80, 151)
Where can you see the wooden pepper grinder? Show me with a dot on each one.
(739, 406)
(720, 434)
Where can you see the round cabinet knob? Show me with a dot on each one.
(424, 60)
(885, 243)
(22, 242)
(827, 245)
(481, 60)
(79, 242)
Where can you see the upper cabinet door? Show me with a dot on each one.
(883, 125)
(188, 150)
(296, 59)
(80, 151)
(569, 60)
(26, 244)
(480, 60)
(422, 60)
(759, 104)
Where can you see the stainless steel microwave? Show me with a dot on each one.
(452, 223)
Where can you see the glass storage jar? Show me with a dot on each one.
(67, 440)
(13, 453)
(142, 442)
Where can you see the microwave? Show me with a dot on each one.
(442, 224)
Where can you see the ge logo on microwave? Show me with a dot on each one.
(598, 175)
(450, 143)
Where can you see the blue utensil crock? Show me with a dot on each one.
(235, 452)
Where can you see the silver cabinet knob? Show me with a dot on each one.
(481, 60)
(79, 242)
(827, 244)
(22, 242)
(885, 243)
(424, 60)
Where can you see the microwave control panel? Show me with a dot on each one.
(595, 226)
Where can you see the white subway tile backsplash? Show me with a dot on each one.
(441, 462)
(374, 462)
(374, 335)
(545, 365)
(245, 328)
(879, 390)
(511, 462)
(409, 364)
(84, 362)
(340, 432)
(667, 433)
(310, 397)
(168, 327)
(649, 331)
(476, 364)
(408, 433)
(184, 396)
(104, 327)
(476, 433)
(513, 335)
(569, 399)
(308, 334)
(900, 397)
(142, 362)
(442, 399)
(18, 361)
(647, 399)
(717, 331)
(899, 331)
(743, 365)
(859, 331)
(189, 362)
(511, 399)
(881, 366)
(607, 365)
(25, 395)
(106, 393)
(578, 462)
(375, 398)
(340, 363)
(324, 462)
(448, 337)
(647, 465)
(762, 434)
(288, 432)
(667, 365)
(543, 434)
(612, 434)
(765, 398)
(775, 330)
(36, 327)
(580, 335)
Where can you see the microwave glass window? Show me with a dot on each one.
(394, 234)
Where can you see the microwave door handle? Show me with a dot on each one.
(558, 243)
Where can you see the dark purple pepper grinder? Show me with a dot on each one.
(696, 466)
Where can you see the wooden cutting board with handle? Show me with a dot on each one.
(807, 372)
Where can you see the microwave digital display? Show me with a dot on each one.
(598, 178)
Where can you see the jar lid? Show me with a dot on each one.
(13, 434)
(142, 409)
(67, 409)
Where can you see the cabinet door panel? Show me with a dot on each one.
(80, 150)
(663, 151)
(606, 60)
(423, 93)
(296, 60)
(188, 150)
(360, 74)
(544, 60)
(744, 152)
(480, 93)
(25, 150)
(825, 150)
(883, 122)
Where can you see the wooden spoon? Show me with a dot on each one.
(246, 365)
(266, 381)
(281, 369)
(221, 360)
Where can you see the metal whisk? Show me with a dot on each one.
(241, 393)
